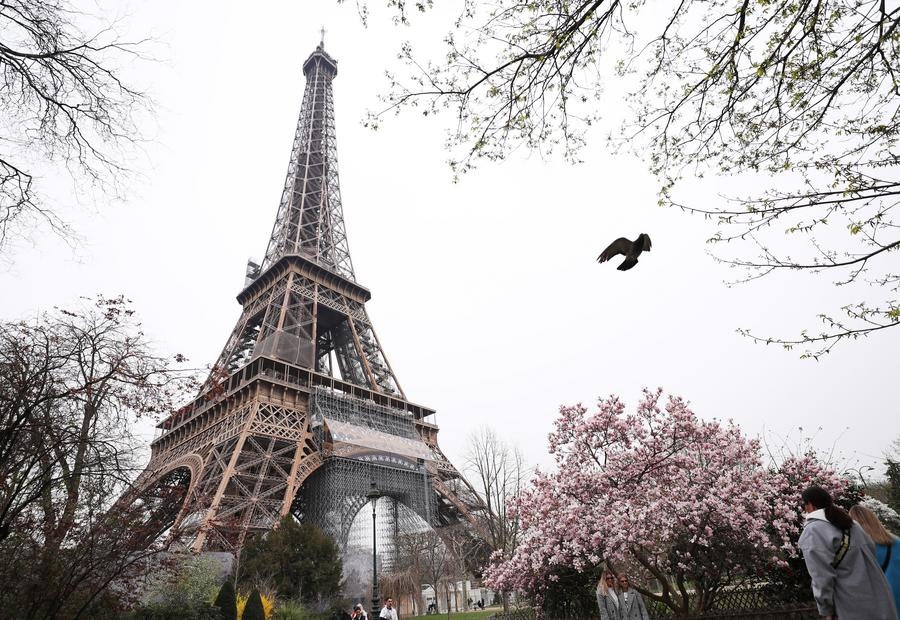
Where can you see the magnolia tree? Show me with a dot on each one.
(674, 498)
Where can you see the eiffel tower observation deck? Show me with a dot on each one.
(302, 411)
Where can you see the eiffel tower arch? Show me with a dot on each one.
(302, 411)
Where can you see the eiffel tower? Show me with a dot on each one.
(302, 413)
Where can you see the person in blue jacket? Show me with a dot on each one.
(887, 547)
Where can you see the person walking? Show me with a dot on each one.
(631, 602)
(359, 613)
(847, 582)
(887, 547)
(388, 612)
(607, 599)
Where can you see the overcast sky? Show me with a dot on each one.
(485, 294)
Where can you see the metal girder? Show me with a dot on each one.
(310, 220)
(302, 322)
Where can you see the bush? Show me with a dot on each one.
(887, 515)
(571, 594)
(254, 609)
(290, 610)
(187, 581)
(298, 560)
(226, 601)
(175, 612)
(267, 600)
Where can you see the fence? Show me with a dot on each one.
(757, 603)
(750, 603)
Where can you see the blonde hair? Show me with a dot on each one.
(873, 527)
(601, 585)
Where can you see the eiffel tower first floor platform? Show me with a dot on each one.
(273, 439)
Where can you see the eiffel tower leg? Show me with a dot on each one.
(162, 495)
(292, 485)
(305, 462)
(361, 354)
(252, 477)
(220, 491)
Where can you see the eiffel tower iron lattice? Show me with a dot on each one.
(302, 410)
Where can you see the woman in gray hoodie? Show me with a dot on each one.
(847, 582)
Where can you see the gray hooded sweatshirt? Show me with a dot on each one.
(856, 589)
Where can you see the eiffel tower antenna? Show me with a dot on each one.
(322, 40)
(302, 412)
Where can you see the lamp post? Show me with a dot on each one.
(373, 495)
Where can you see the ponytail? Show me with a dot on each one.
(820, 498)
(838, 517)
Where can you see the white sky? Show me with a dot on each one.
(486, 295)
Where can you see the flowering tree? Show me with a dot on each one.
(685, 501)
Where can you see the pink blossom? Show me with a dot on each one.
(661, 491)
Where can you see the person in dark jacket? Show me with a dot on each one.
(847, 582)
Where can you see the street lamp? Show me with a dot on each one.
(859, 471)
(373, 495)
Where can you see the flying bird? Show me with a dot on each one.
(630, 249)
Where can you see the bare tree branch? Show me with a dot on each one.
(63, 104)
(72, 384)
(803, 95)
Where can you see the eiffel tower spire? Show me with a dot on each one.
(291, 321)
(302, 413)
(310, 219)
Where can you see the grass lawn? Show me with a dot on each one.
(464, 615)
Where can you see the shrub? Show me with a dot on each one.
(291, 610)
(187, 581)
(298, 560)
(226, 601)
(268, 603)
(175, 612)
(887, 515)
(254, 609)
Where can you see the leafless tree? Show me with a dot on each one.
(800, 96)
(499, 472)
(411, 553)
(435, 563)
(466, 557)
(72, 384)
(63, 106)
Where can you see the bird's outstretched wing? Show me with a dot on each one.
(645, 239)
(619, 246)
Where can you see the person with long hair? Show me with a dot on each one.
(631, 601)
(887, 547)
(607, 599)
(847, 582)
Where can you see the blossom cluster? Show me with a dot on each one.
(887, 515)
(683, 499)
